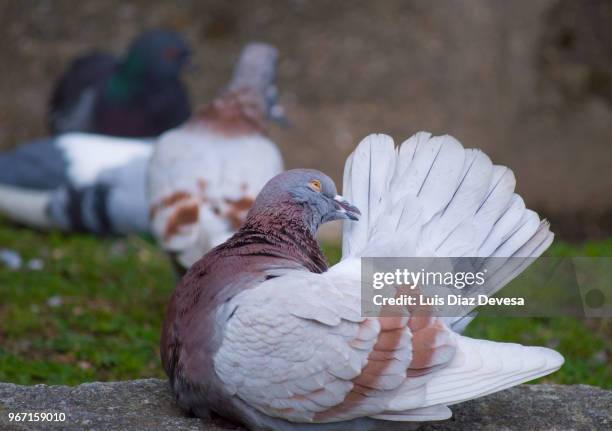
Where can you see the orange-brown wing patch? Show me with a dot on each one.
(381, 370)
(433, 345)
(184, 214)
(202, 185)
(421, 338)
(168, 201)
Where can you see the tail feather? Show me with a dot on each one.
(28, 207)
(502, 271)
(423, 414)
(453, 201)
(527, 226)
(475, 228)
(503, 227)
(448, 232)
(478, 368)
(97, 208)
(482, 367)
(370, 170)
(433, 198)
(432, 171)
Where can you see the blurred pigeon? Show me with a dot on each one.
(77, 182)
(138, 95)
(205, 174)
(262, 332)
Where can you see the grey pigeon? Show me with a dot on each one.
(262, 332)
(137, 95)
(77, 182)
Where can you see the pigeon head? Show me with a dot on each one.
(255, 74)
(303, 194)
(158, 54)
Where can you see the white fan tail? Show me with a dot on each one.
(481, 367)
(27, 207)
(430, 197)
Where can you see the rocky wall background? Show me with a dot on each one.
(529, 82)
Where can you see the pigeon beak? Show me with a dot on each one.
(346, 209)
(277, 114)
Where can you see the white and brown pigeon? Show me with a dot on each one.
(262, 332)
(204, 175)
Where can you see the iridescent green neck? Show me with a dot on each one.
(128, 78)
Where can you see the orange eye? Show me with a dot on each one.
(316, 184)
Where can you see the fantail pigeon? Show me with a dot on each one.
(77, 182)
(204, 175)
(262, 332)
(137, 95)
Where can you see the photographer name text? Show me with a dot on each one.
(451, 299)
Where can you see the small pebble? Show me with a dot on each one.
(600, 357)
(54, 301)
(10, 259)
(35, 264)
(84, 365)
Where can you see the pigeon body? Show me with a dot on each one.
(41, 164)
(261, 332)
(139, 95)
(77, 182)
(204, 175)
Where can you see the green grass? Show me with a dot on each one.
(112, 296)
(94, 313)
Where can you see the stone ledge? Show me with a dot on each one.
(148, 405)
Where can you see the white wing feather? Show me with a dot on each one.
(89, 155)
(288, 352)
(297, 348)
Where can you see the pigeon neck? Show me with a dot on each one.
(125, 82)
(285, 230)
(132, 76)
(236, 113)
